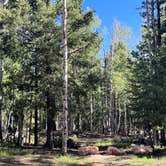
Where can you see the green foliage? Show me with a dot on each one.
(148, 81)
(31, 49)
(118, 144)
(6, 152)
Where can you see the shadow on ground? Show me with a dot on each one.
(40, 160)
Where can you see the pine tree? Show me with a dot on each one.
(65, 91)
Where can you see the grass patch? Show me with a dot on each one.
(112, 143)
(71, 160)
(144, 160)
(6, 152)
(138, 161)
(104, 143)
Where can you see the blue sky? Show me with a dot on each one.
(124, 11)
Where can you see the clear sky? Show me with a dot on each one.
(123, 10)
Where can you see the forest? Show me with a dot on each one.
(63, 103)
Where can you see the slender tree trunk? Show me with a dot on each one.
(71, 126)
(65, 84)
(7, 124)
(91, 113)
(36, 127)
(148, 28)
(116, 114)
(157, 136)
(20, 129)
(21, 117)
(119, 119)
(113, 113)
(111, 62)
(1, 138)
(30, 126)
(57, 121)
(153, 25)
(125, 119)
(36, 113)
(163, 138)
(79, 123)
(110, 109)
(158, 23)
(106, 123)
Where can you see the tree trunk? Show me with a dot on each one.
(1, 138)
(125, 119)
(113, 113)
(116, 113)
(148, 28)
(65, 83)
(153, 25)
(79, 123)
(110, 110)
(158, 23)
(36, 112)
(36, 127)
(119, 119)
(91, 113)
(30, 126)
(163, 138)
(71, 124)
(20, 129)
(50, 119)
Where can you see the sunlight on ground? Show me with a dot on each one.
(17, 157)
(111, 160)
(69, 159)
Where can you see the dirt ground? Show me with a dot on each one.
(94, 160)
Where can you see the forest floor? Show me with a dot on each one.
(39, 156)
(72, 160)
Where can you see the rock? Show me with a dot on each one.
(88, 150)
(128, 151)
(114, 151)
(148, 149)
(141, 149)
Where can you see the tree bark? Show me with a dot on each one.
(36, 127)
(20, 129)
(110, 109)
(50, 118)
(79, 123)
(125, 119)
(30, 126)
(36, 113)
(91, 113)
(119, 117)
(1, 138)
(158, 23)
(163, 138)
(153, 25)
(65, 83)
(148, 27)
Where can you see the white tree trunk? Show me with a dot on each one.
(65, 84)
(125, 119)
(91, 113)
